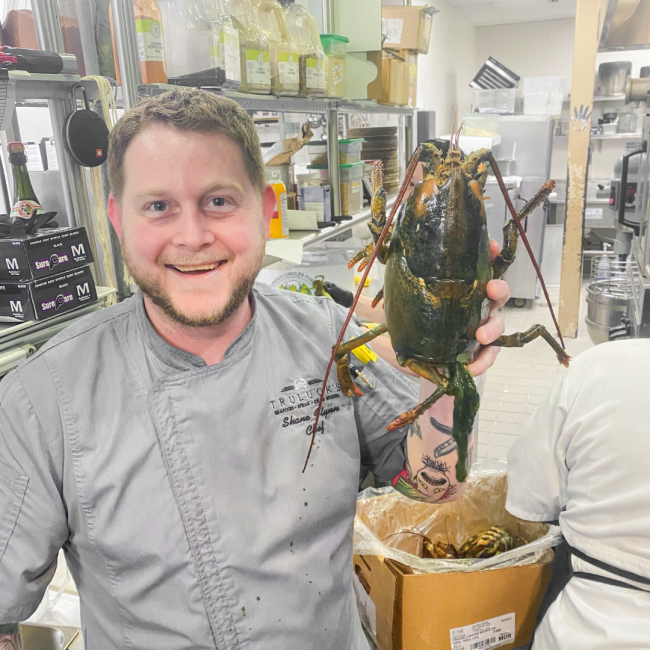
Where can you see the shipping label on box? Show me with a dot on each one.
(407, 27)
(42, 299)
(485, 635)
(44, 254)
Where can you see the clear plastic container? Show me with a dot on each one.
(303, 31)
(149, 33)
(317, 150)
(499, 101)
(543, 95)
(307, 180)
(334, 47)
(350, 150)
(481, 126)
(224, 43)
(351, 191)
(188, 38)
(254, 50)
(285, 66)
(626, 122)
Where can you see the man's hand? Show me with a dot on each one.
(499, 293)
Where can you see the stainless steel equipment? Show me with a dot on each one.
(531, 137)
(47, 637)
(609, 298)
(612, 77)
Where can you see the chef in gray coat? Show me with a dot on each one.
(161, 442)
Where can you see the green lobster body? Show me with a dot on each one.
(437, 270)
(438, 266)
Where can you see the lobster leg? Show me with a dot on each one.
(342, 367)
(428, 372)
(519, 339)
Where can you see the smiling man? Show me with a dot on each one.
(161, 442)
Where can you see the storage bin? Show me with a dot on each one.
(350, 150)
(317, 151)
(335, 47)
(500, 101)
(351, 190)
(480, 125)
(543, 95)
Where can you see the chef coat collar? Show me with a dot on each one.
(179, 359)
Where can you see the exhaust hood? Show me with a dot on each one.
(626, 26)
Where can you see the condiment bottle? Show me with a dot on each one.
(280, 221)
(303, 31)
(25, 201)
(151, 51)
(254, 51)
(285, 69)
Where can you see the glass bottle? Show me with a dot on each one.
(149, 33)
(285, 69)
(254, 51)
(303, 30)
(25, 201)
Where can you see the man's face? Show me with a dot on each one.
(191, 224)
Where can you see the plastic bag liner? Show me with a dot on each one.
(387, 524)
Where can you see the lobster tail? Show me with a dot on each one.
(466, 403)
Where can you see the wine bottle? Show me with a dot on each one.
(25, 201)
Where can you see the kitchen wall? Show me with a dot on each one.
(445, 72)
(546, 49)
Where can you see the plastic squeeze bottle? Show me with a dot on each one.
(280, 221)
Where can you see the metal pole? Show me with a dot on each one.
(75, 195)
(127, 50)
(333, 161)
(329, 24)
(87, 35)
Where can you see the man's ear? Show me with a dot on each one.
(114, 214)
(268, 207)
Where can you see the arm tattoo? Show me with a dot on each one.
(10, 637)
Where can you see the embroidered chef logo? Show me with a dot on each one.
(298, 403)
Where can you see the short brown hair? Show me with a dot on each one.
(187, 109)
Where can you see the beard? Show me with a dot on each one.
(240, 289)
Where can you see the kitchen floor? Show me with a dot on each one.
(522, 377)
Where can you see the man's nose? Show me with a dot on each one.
(193, 229)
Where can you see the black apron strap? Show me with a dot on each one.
(562, 572)
(621, 573)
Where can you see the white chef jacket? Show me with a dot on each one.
(584, 458)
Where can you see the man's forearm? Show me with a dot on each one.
(10, 637)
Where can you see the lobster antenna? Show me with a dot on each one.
(513, 212)
(415, 159)
(453, 128)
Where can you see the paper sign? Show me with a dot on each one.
(392, 29)
(286, 249)
(485, 635)
(367, 609)
(632, 146)
(594, 213)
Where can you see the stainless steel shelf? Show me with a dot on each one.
(291, 104)
(41, 86)
(602, 98)
(311, 238)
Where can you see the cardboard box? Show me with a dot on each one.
(418, 612)
(413, 78)
(42, 299)
(44, 254)
(393, 76)
(407, 609)
(406, 28)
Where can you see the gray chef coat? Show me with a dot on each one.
(176, 488)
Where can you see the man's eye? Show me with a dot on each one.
(217, 202)
(158, 206)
